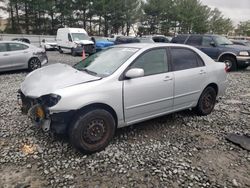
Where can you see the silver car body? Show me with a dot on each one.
(19, 59)
(133, 100)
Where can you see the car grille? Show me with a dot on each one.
(89, 48)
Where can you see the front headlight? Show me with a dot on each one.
(244, 53)
(50, 100)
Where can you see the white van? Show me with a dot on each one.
(73, 40)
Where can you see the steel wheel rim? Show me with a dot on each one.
(208, 101)
(34, 64)
(94, 132)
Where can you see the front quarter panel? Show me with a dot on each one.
(105, 91)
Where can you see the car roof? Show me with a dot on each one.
(150, 45)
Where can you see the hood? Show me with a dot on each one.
(237, 47)
(53, 77)
(84, 42)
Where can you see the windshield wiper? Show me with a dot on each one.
(225, 44)
(89, 71)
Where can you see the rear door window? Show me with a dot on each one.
(3, 47)
(17, 46)
(194, 40)
(183, 58)
(206, 41)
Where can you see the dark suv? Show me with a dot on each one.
(218, 48)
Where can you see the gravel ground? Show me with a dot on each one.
(178, 150)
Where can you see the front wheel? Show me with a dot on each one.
(34, 64)
(231, 62)
(206, 102)
(92, 131)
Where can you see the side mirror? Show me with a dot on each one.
(134, 73)
(213, 44)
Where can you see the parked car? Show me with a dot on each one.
(241, 42)
(120, 86)
(16, 55)
(101, 43)
(154, 38)
(74, 40)
(49, 45)
(22, 40)
(218, 48)
(126, 40)
(145, 39)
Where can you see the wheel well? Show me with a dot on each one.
(227, 55)
(213, 85)
(99, 106)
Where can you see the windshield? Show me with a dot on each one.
(79, 36)
(105, 62)
(222, 40)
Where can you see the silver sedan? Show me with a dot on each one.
(16, 55)
(121, 86)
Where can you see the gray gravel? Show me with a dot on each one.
(178, 150)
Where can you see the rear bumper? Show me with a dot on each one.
(43, 59)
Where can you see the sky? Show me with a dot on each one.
(236, 10)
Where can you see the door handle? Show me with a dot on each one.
(202, 72)
(5, 54)
(167, 78)
(25, 52)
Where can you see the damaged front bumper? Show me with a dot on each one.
(42, 117)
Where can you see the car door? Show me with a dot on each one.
(18, 55)
(190, 76)
(3, 56)
(209, 47)
(151, 94)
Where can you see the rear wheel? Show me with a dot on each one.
(230, 61)
(34, 64)
(206, 102)
(92, 131)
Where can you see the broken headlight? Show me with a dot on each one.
(50, 100)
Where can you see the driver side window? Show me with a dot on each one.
(152, 62)
(206, 41)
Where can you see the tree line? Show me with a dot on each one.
(104, 17)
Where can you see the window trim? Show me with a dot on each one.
(123, 77)
(198, 57)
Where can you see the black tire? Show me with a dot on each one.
(34, 63)
(60, 50)
(73, 53)
(206, 101)
(92, 131)
(230, 61)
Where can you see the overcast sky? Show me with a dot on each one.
(237, 10)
